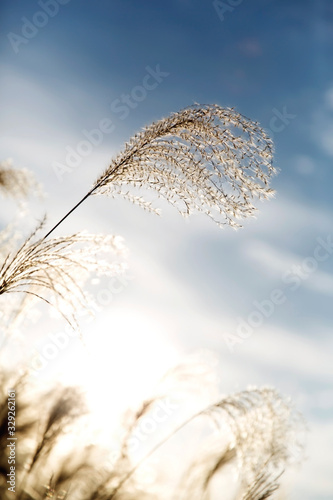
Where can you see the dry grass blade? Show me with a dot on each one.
(55, 269)
(202, 159)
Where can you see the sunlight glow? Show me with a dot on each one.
(123, 358)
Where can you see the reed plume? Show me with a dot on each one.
(17, 183)
(265, 435)
(258, 432)
(202, 159)
(260, 435)
(55, 269)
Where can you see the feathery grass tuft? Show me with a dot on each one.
(204, 159)
(260, 436)
(265, 435)
(18, 183)
(54, 270)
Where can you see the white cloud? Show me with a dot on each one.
(329, 98)
(327, 139)
(304, 165)
(322, 123)
(314, 475)
(291, 353)
(281, 262)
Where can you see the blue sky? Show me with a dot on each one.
(193, 283)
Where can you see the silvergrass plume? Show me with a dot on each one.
(203, 158)
(18, 183)
(258, 433)
(53, 270)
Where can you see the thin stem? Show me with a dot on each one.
(78, 204)
(72, 210)
(156, 447)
